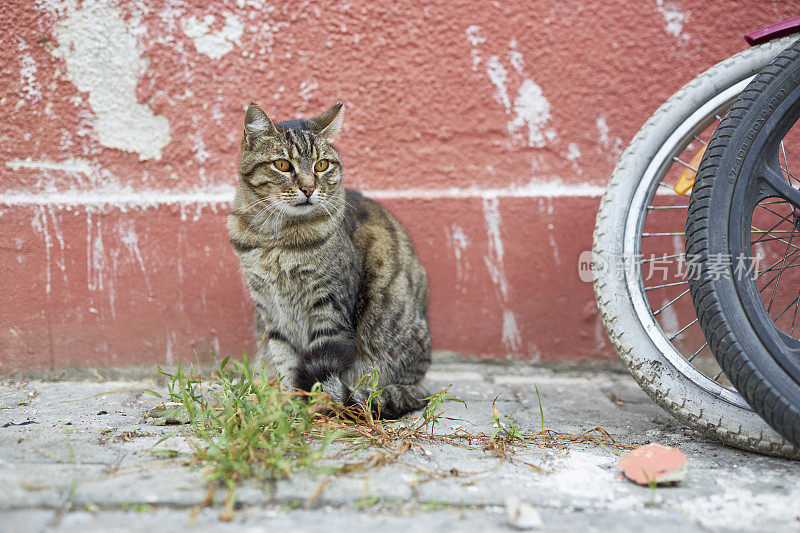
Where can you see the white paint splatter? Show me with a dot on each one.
(573, 152)
(551, 239)
(130, 239)
(499, 77)
(199, 147)
(95, 254)
(515, 57)
(39, 223)
(171, 342)
(613, 148)
(30, 88)
(213, 44)
(70, 166)
(493, 260)
(531, 108)
(602, 128)
(553, 188)
(511, 337)
(475, 39)
(306, 88)
(255, 4)
(101, 57)
(109, 195)
(458, 241)
(674, 18)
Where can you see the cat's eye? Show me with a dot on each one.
(282, 164)
(321, 165)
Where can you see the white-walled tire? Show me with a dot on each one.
(652, 355)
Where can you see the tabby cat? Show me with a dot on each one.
(337, 286)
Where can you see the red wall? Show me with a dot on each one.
(489, 128)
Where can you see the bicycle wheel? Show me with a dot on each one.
(744, 230)
(641, 222)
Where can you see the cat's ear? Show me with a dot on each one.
(328, 124)
(257, 124)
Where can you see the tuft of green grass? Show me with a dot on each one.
(504, 427)
(371, 380)
(541, 411)
(143, 508)
(435, 402)
(247, 426)
(367, 501)
(433, 505)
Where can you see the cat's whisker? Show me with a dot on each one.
(278, 218)
(271, 205)
(274, 208)
(322, 205)
(265, 198)
(338, 209)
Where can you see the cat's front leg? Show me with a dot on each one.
(283, 360)
(325, 362)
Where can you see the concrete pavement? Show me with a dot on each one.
(75, 455)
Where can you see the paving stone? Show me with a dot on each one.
(92, 464)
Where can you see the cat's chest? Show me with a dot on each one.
(286, 287)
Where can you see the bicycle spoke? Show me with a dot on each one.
(794, 262)
(655, 207)
(762, 204)
(687, 165)
(671, 256)
(794, 317)
(786, 162)
(783, 219)
(667, 234)
(665, 285)
(681, 295)
(793, 265)
(781, 201)
(697, 352)
(778, 281)
(787, 308)
(683, 329)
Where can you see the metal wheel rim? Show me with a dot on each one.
(634, 226)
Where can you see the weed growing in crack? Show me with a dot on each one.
(244, 425)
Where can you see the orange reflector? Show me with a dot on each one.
(686, 179)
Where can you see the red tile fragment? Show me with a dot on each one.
(655, 463)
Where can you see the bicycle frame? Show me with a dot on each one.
(773, 31)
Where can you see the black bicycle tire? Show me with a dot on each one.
(720, 307)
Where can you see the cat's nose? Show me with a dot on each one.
(308, 191)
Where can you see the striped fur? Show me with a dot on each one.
(337, 286)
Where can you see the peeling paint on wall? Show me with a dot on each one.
(510, 336)
(530, 107)
(30, 88)
(458, 241)
(71, 166)
(612, 147)
(674, 18)
(213, 44)
(100, 53)
(125, 197)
